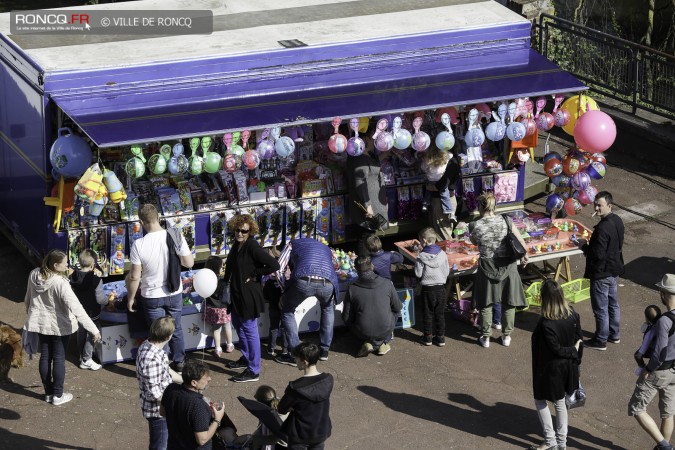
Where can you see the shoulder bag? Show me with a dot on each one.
(514, 247)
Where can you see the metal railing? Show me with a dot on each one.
(639, 76)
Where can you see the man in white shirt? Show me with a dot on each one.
(149, 259)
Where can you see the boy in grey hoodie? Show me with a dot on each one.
(432, 270)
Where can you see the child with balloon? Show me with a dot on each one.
(215, 310)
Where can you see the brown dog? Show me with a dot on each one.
(11, 352)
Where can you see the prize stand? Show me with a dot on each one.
(206, 126)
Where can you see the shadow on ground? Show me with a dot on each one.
(504, 422)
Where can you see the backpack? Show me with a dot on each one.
(173, 241)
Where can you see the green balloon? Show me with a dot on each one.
(212, 162)
(196, 166)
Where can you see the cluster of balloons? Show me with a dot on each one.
(594, 132)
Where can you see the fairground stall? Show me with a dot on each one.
(259, 116)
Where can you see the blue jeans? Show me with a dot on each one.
(497, 313)
(154, 308)
(249, 341)
(159, 434)
(605, 303)
(446, 200)
(297, 293)
(85, 342)
(53, 363)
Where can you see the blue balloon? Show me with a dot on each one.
(70, 155)
(474, 137)
(561, 180)
(516, 131)
(554, 203)
(495, 131)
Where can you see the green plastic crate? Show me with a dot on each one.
(578, 290)
(532, 294)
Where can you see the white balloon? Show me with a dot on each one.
(205, 282)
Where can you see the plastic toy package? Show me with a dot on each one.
(186, 224)
(135, 231)
(293, 220)
(338, 219)
(118, 237)
(218, 242)
(309, 212)
(77, 241)
(323, 219)
(98, 243)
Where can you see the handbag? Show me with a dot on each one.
(576, 399)
(514, 247)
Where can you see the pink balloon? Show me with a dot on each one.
(530, 126)
(596, 131)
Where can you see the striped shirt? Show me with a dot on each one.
(152, 372)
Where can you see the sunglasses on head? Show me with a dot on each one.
(242, 231)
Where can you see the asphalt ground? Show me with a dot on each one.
(461, 396)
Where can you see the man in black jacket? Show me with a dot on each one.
(370, 309)
(604, 263)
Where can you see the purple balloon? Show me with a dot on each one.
(266, 149)
(355, 146)
(580, 180)
(495, 131)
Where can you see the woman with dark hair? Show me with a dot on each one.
(556, 355)
(246, 263)
(54, 313)
(497, 279)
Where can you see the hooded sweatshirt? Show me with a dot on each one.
(369, 306)
(52, 307)
(431, 266)
(307, 399)
(89, 290)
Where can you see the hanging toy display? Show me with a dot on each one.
(157, 164)
(195, 163)
(212, 160)
(355, 145)
(445, 140)
(284, 146)
(70, 155)
(337, 143)
(178, 163)
(383, 140)
(115, 189)
(529, 124)
(420, 140)
(251, 160)
(516, 131)
(135, 167)
(265, 146)
(402, 137)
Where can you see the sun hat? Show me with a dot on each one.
(667, 284)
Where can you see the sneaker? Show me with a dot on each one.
(324, 355)
(426, 339)
(177, 366)
(484, 341)
(425, 208)
(218, 352)
(614, 341)
(49, 398)
(241, 363)
(90, 364)
(365, 349)
(595, 344)
(246, 376)
(497, 326)
(229, 348)
(384, 349)
(452, 219)
(661, 447)
(271, 351)
(506, 341)
(65, 398)
(439, 340)
(286, 358)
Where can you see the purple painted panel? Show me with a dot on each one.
(513, 36)
(133, 118)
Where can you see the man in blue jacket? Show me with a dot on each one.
(312, 275)
(604, 264)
